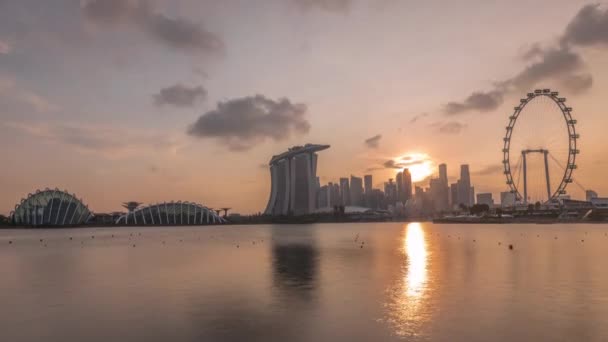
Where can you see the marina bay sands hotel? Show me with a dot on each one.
(294, 181)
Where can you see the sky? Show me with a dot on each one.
(119, 100)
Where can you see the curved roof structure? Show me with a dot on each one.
(51, 208)
(310, 148)
(171, 213)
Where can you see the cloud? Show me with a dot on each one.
(180, 95)
(111, 142)
(5, 48)
(418, 117)
(244, 122)
(178, 33)
(325, 5)
(478, 101)
(561, 63)
(489, 170)
(373, 142)
(589, 27)
(450, 127)
(553, 63)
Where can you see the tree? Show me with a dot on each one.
(537, 206)
(477, 209)
(499, 212)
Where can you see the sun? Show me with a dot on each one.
(420, 165)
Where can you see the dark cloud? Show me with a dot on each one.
(325, 5)
(373, 142)
(553, 63)
(390, 164)
(180, 95)
(177, 33)
(418, 117)
(589, 27)
(401, 163)
(478, 101)
(489, 170)
(561, 64)
(450, 127)
(243, 122)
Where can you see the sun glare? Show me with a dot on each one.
(420, 165)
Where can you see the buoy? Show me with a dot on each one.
(92, 236)
(112, 235)
(361, 246)
(474, 240)
(40, 240)
(582, 240)
(237, 246)
(500, 243)
(10, 242)
(510, 246)
(70, 238)
(133, 245)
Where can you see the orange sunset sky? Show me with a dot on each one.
(152, 101)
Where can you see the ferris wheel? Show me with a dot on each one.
(539, 152)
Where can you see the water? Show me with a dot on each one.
(326, 282)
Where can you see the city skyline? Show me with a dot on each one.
(152, 100)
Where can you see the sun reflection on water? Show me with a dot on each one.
(415, 250)
(409, 297)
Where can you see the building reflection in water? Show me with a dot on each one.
(408, 298)
(294, 261)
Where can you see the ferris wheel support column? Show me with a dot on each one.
(546, 152)
(523, 155)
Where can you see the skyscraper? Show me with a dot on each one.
(464, 186)
(344, 191)
(368, 184)
(356, 191)
(293, 181)
(400, 187)
(443, 174)
(323, 199)
(407, 185)
(390, 191)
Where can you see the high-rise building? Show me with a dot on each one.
(454, 195)
(334, 195)
(356, 191)
(368, 184)
(407, 185)
(485, 198)
(400, 189)
(507, 199)
(293, 181)
(438, 193)
(471, 196)
(390, 191)
(344, 191)
(590, 194)
(464, 186)
(443, 174)
(323, 199)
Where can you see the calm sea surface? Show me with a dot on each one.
(325, 282)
